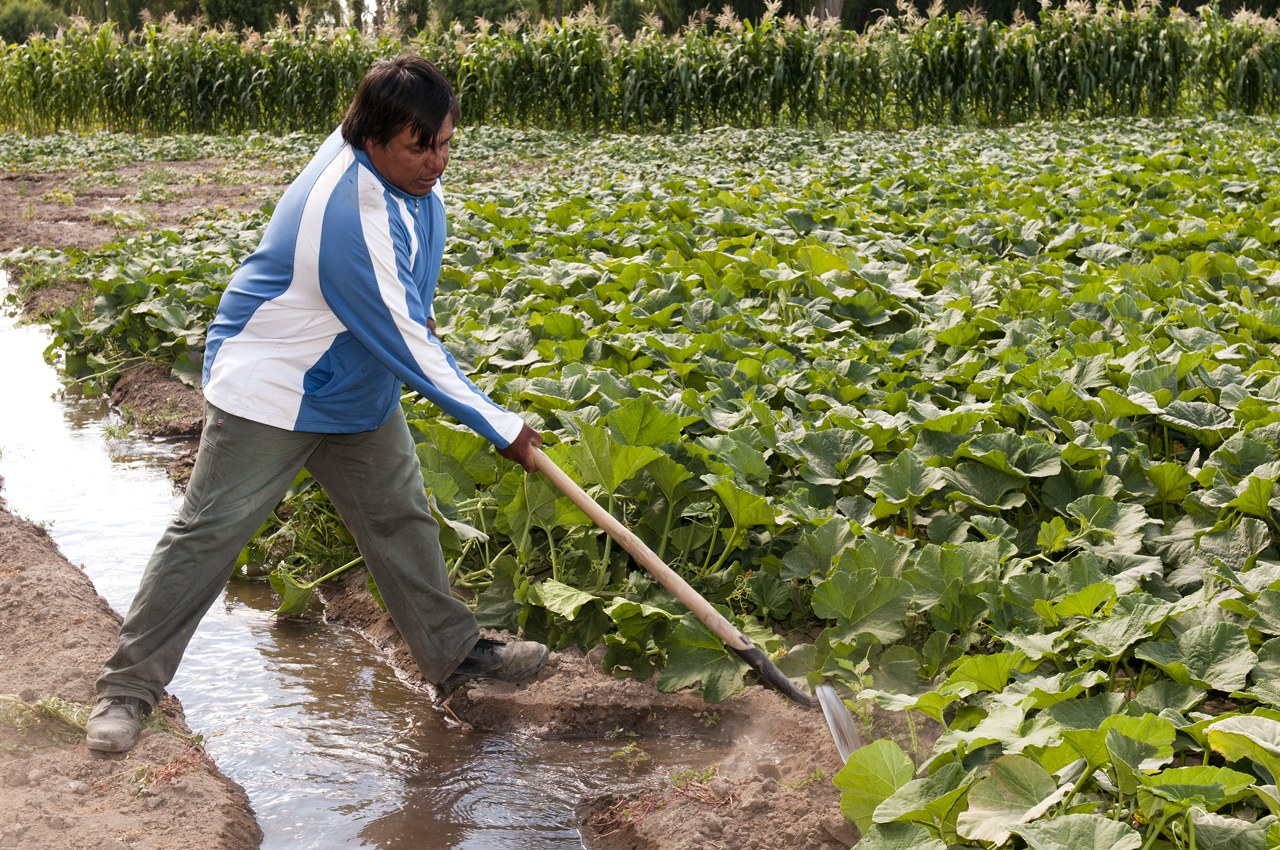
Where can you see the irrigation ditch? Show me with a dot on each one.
(575, 757)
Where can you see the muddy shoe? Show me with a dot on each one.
(493, 659)
(113, 725)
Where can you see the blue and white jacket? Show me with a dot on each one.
(322, 323)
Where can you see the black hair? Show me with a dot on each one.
(407, 91)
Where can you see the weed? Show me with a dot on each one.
(160, 175)
(121, 220)
(682, 778)
(818, 775)
(155, 194)
(46, 524)
(709, 718)
(57, 196)
(165, 414)
(116, 429)
(29, 214)
(632, 755)
(67, 718)
(81, 182)
(23, 189)
(191, 757)
(619, 732)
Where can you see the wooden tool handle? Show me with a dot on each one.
(636, 547)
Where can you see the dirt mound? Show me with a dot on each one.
(158, 404)
(773, 790)
(55, 632)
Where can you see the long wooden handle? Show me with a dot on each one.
(636, 547)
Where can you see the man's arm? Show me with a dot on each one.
(366, 279)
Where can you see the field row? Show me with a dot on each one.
(982, 425)
(907, 71)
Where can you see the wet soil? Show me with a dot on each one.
(55, 632)
(774, 788)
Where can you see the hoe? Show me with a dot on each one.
(838, 717)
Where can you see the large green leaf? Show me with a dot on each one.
(1254, 738)
(937, 568)
(1172, 481)
(1078, 832)
(695, 654)
(1114, 635)
(905, 480)
(1215, 656)
(745, 509)
(1231, 785)
(985, 486)
(1215, 832)
(293, 596)
(1207, 422)
(1020, 456)
(670, 478)
(1109, 524)
(602, 461)
(1127, 758)
(872, 775)
(560, 598)
(864, 602)
(817, 549)
(1016, 786)
(1253, 495)
(827, 454)
(986, 672)
(899, 836)
(639, 422)
(925, 800)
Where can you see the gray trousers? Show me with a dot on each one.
(242, 471)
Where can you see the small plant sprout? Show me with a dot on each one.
(632, 755)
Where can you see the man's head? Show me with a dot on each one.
(402, 116)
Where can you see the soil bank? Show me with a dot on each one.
(55, 632)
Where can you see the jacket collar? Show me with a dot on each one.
(363, 159)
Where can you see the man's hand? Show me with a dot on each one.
(521, 448)
(431, 326)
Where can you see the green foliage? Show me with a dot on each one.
(993, 414)
(575, 72)
(465, 12)
(21, 18)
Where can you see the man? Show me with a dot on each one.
(303, 368)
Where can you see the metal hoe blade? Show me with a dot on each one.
(840, 721)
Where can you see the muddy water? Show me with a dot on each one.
(331, 747)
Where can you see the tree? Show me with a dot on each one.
(20, 18)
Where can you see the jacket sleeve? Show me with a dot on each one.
(369, 247)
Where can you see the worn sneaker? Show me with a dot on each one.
(494, 659)
(114, 724)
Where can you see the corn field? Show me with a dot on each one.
(582, 74)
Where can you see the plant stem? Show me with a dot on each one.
(911, 724)
(729, 548)
(666, 529)
(1153, 833)
(608, 550)
(323, 578)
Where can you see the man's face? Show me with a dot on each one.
(408, 165)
